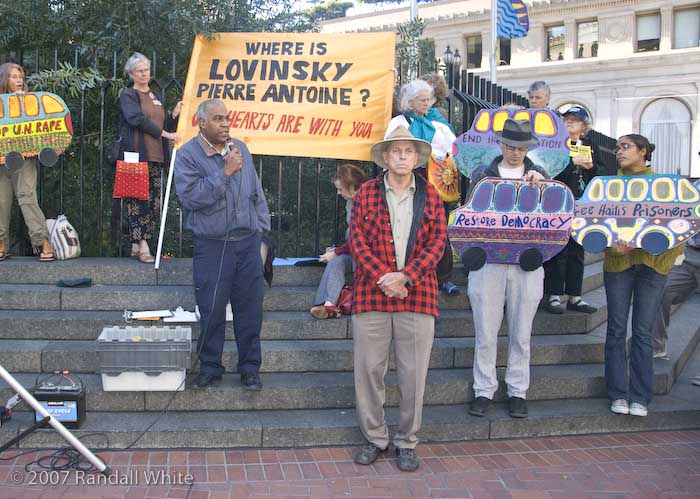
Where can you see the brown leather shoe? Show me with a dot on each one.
(325, 311)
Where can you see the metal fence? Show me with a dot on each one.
(304, 207)
(306, 213)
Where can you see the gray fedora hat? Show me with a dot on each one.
(517, 133)
(398, 134)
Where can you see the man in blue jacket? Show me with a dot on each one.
(227, 212)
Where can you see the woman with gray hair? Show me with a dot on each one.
(143, 128)
(422, 120)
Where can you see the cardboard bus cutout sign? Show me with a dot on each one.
(33, 124)
(511, 221)
(652, 212)
(478, 147)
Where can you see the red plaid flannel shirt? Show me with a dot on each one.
(372, 249)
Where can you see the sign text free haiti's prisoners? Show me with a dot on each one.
(652, 212)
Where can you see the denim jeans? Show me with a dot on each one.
(333, 279)
(646, 287)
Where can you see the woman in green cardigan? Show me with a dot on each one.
(633, 276)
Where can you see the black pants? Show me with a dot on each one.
(241, 283)
(563, 274)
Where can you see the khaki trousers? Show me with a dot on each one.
(23, 183)
(412, 335)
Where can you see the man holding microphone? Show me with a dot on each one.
(226, 210)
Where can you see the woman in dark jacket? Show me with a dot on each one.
(564, 272)
(143, 124)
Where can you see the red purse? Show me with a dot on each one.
(345, 300)
(131, 180)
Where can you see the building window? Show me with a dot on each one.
(587, 39)
(666, 123)
(555, 43)
(504, 51)
(473, 51)
(648, 32)
(686, 28)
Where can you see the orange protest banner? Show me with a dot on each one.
(295, 94)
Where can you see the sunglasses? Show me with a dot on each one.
(623, 146)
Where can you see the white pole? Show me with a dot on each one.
(412, 49)
(67, 436)
(494, 38)
(165, 208)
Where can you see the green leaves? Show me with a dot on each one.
(69, 80)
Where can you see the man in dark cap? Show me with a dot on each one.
(495, 285)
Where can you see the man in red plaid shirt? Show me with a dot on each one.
(397, 233)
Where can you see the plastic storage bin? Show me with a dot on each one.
(135, 359)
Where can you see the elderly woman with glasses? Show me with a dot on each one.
(143, 128)
(633, 277)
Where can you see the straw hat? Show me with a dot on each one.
(401, 133)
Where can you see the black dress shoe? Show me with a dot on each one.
(203, 380)
(251, 381)
(581, 306)
(368, 454)
(406, 459)
(479, 406)
(553, 307)
(517, 407)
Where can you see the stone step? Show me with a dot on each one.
(31, 356)
(173, 271)
(156, 297)
(311, 428)
(329, 390)
(87, 325)
(210, 423)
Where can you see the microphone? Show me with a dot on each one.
(230, 144)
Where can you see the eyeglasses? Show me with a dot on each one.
(622, 146)
(518, 149)
(142, 71)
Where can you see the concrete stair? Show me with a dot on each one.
(307, 364)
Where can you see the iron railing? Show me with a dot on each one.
(306, 214)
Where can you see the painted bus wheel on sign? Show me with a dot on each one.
(479, 146)
(512, 222)
(651, 212)
(33, 124)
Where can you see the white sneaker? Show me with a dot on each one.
(637, 409)
(620, 407)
